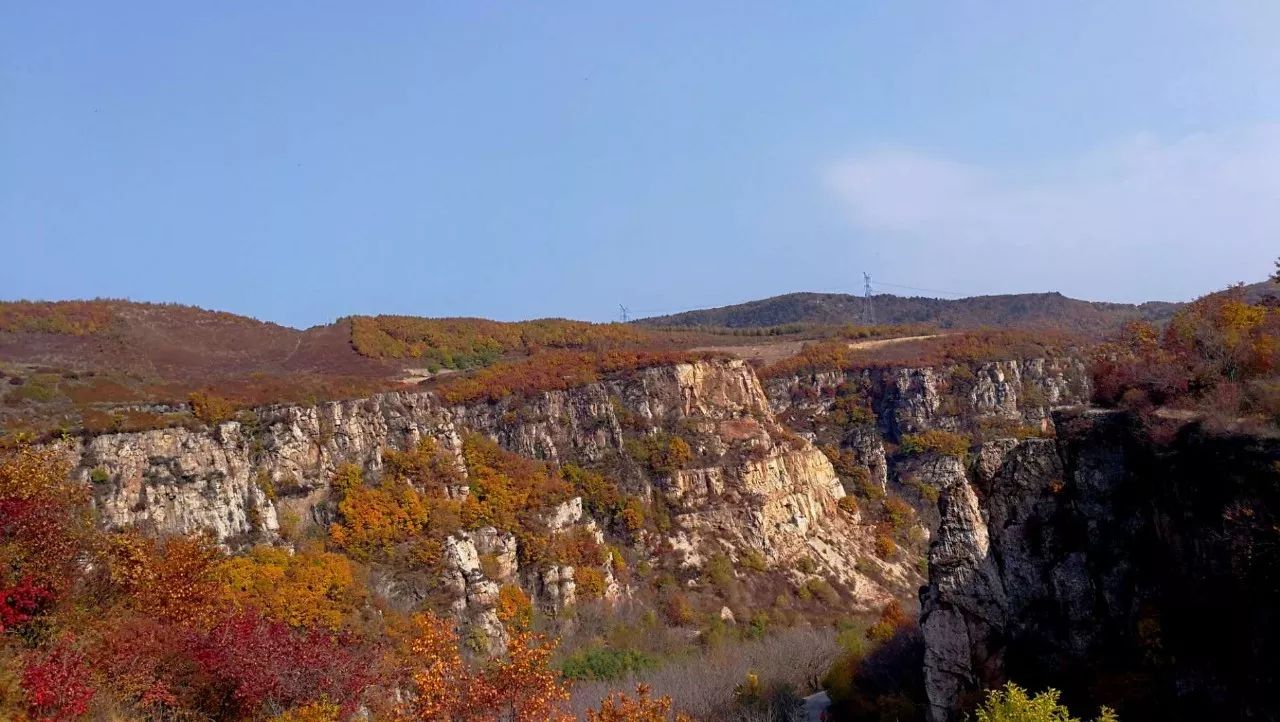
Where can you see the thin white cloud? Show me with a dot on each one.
(1137, 219)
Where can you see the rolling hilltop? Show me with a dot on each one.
(1026, 310)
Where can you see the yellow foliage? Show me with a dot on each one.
(306, 589)
(590, 582)
(372, 520)
(210, 408)
(1237, 319)
(936, 441)
(514, 608)
(505, 486)
(427, 467)
(618, 707)
(314, 712)
(442, 683)
(521, 686)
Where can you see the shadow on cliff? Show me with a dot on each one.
(1146, 579)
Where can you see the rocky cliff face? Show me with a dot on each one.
(751, 484)
(1117, 570)
(909, 400)
(860, 415)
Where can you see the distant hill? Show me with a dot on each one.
(1025, 310)
(171, 341)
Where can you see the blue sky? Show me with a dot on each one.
(299, 161)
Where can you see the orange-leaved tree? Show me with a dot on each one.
(45, 525)
(520, 686)
(619, 707)
(307, 588)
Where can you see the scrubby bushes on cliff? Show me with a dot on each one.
(210, 408)
(935, 441)
(507, 490)
(372, 520)
(550, 371)
(955, 348)
(119, 625)
(662, 453)
(1220, 354)
(602, 499)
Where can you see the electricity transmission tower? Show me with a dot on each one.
(868, 308)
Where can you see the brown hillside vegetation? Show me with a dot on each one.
(107, 364)
(470, 342)
(980, 345)
(1219, 356)
(117, 365)
(114, 365)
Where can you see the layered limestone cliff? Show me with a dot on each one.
(908, 400)
(860, 416)
(750, 485)
(1122, 571)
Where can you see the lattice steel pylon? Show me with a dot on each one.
(868, 306)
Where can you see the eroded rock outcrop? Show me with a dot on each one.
(1121, 570)
(912, 399)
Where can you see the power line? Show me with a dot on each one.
(926, 290)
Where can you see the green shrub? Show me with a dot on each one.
(753, 560)
(850, 410)
(935, 441)
(899, 512)
(1031, 396)
(820, 589)
(99, 476)
(758, 626)
(720, 571)
(1013, 704)
(663, 453)
(40, 388)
